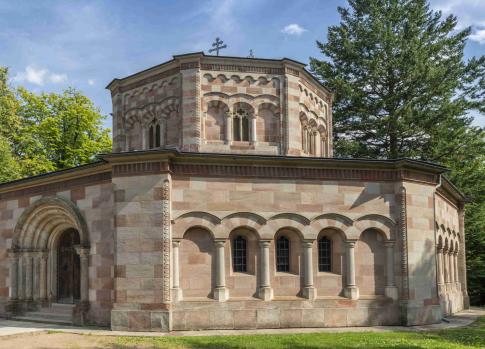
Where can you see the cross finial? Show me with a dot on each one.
(251, 55)
(218, 45)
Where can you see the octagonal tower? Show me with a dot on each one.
(216, 104)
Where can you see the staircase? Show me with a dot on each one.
(56, 313)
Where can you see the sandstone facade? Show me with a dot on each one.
(221, 207)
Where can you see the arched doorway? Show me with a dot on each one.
(68, 268)
(49, 262)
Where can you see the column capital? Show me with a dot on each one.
(389, 243)
(220, 242)
(176, 243)
(264, 243)
(307, 243)
(350, 243)
(13, 255)
(82, 251)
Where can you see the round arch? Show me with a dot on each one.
(47, 216)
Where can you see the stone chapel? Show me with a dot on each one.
(222, 207)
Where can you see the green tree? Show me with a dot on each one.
(46, 132)
(59, 130)
(403, 89)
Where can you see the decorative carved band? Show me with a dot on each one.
(292, 71)
(242, 68)
(150, 79)
(404, 244)
(189, 65)
(58, 186)
(315, 90)
(140, 168)
(300, 173)
(166, 241)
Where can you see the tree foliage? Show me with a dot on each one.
(404, 89)
(48, 131)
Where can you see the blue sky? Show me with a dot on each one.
(50, 45)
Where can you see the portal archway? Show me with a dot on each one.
(49, 258)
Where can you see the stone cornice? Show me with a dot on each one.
(84, 173)
(54, 185)
(224, 165)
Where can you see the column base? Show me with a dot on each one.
(221, 294)
(351, 292)
(391, 292)
(177, 294)
(266, 293)
(309, 292)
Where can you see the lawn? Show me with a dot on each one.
(472, 336)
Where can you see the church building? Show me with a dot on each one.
(222, 207)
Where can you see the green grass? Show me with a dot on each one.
(472, 336)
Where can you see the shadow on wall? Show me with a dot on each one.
(372, 191)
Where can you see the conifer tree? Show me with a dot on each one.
(404, 89)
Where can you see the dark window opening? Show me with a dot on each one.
(324, 254)
(239, 254)
(283, 254)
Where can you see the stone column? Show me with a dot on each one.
(221, 293)
(439, 252)
(455, 268)
(451, 267)
(351, 290)
(229, 129)
(462, 258)
(14, 268)
(253, 130)
(309, 290)
(36, 272)
(83, 253)
(21, 277)
(176, 290)
(28, 276)
(446, 266)
(144, 132)
(265, 290)
(390, 289)
(43, 276)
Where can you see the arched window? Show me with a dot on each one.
(240, 126)
(154, 135)
(239, 255)
(324, 254)
(157, 136)
(151, 138)
(282, 254)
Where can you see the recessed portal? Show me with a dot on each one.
(68, 268)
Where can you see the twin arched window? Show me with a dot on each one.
(240, 125)
(154, 136)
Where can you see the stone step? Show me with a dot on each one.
(45, 318)
(58, 309)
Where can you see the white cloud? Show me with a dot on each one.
(57, 78)
(469, 13)
(39, 76)
(293, 29)
(90, 82)
(478, 36)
